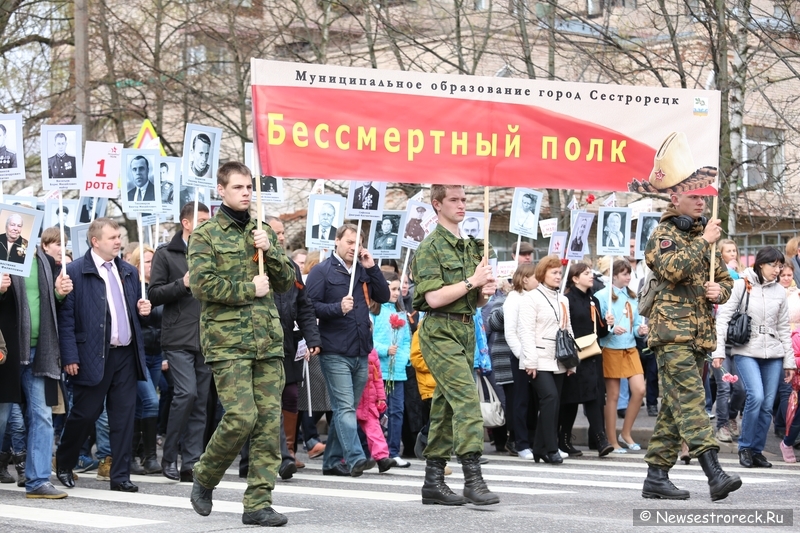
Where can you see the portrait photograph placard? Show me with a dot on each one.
(31, 202)
(12, 155)
(558, 244)
(384, 235)
(61, 157)
(644, 228)
(421, 219)
(579, 237)
(141, 183)
(201, 156)
(325, 215)
(19, 235)
(365, 199)
(271, 186)
(169, 169)
(614, 231)
(80, 240)
(473, 225)
(186, 196)
(85, 209)
(525, 209)
(53, 220)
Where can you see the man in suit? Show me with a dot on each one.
(325, 229)
(12, 246)
(143, 189)
(61, 165)
(102, 351)
(8, 159)
(366, 197)
(201, 151)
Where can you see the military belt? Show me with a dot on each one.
(458, 317)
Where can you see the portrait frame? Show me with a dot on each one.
(29, 202)
(274, 196)
(315, 207)
(31, 229)
(580, 230)
(188, 192)
(558, 244)
(398, 220)
(474, 215)
(208, 179)
(422, 227)
(80, 244)
(14, 148)
(521, 223)
(153, 185)
(605, 225)
(169, 198)
(72, 166)
(647, 222)
(70, 219)
(84, 207)
(355, 203)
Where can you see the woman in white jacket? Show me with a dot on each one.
(769, 350)
(541, 313)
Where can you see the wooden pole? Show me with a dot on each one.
(713, 259)
(486, 224)
(257, 176)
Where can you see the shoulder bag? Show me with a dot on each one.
(739, 325)
(587, 344)
(566, 349)
(491, 408)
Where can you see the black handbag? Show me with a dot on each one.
(566, 347)
(739, 325)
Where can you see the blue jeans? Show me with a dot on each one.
(624, 394)
(14, 439)
(40, 428)
(103, 437)
(760, 378)
(153, 363)
(395, 402)
(730, 396)
(345, 378)
(146, 398)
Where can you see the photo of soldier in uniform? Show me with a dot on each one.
(384, 235)
(8, 158)
(13, 246)
(365, 200)
(61, 165)
(19, 227)
(366, 196)
(61, 157)
(12, 155)
(420, 220)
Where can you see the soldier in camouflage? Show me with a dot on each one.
(682, 332)
(242, 340)
(452, 281)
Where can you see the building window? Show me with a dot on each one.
(762, 156)
(212, 58)
(594, 8)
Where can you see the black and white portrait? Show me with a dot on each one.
(80, 240)
(420, 221)
(201, 155)
(271, 186)
(142, 184)
(53, 215)
(90, 208)
(19, 230)
(365, 199)
(644, 229)
(525, 212)
(613, 231)
(326, 214)
(473, 225)
(384, 235)
(12, 157)
(168, 169)
(61, 157)
(579, 238)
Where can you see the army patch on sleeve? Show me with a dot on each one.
(667, 245)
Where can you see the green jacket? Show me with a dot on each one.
(443, 259)
(681, 313)
(234, 324)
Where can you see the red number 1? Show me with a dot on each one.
(102, 172)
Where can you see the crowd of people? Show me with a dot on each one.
(228, 353)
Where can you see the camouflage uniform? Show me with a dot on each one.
(242, 340)
(447, 345)
(682, 332)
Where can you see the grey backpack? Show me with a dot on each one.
(648, 288)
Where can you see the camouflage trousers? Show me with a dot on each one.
(250, 391)
(456, 424)
(682, 416)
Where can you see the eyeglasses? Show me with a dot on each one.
(777, 264)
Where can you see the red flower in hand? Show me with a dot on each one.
(590, 199)
(730, 378)
(396, 322)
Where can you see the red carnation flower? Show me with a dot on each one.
(396, 322)
(590, 199)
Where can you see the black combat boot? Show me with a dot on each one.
(658, 486)
(603, 446)
(720, 483)
(475, 489)
(19, 465)
(5, 477)
(435, 490)
(565, 444)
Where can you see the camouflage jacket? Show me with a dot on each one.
(444, 259)
(234, 324)
(681, 313)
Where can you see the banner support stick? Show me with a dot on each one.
(94, 208)
(516, 255)
(713, 259)
(61, 229)
(355, 259)
(611, 288)
(196, 205)
(141, 252)
(486, 224)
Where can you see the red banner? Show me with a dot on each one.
(416, 131)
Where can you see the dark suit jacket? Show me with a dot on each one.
(329, 237)
(359, 197)
(149, 193)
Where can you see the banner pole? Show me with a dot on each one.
(611, 288)
(307, 375)
(516, 255)
(713, 259)
(61, 229)
(141, 252)
(257, 168)
(564, 277)
(405, 266)
(94, 208)
(486, 224)
(355, 258)
(196, 205)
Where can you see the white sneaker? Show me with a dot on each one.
(563, 454)
(400, 462)
(526, 454)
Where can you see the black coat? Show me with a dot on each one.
(588, 382)
(180, 325)
(10, 388)
(151, 330)
(293, 306)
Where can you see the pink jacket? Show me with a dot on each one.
(373, 390)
